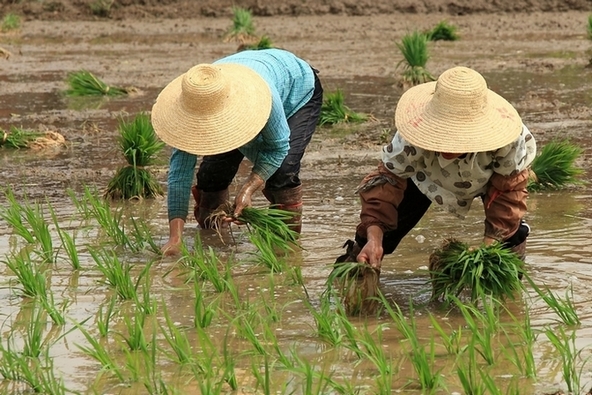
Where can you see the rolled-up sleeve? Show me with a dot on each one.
(180, 178)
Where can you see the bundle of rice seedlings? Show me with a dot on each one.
(442, 31)
(414, 47)
(333, 110)
(11, 21)
(554, 167)
(18, 138)
(263, 43)
(242, 29)
(139, 145)
(456, 269)
(357, 285)
(84, 83)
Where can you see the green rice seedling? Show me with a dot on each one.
(245, 327)
(469, 373)
(483, 328)
(266, 254)
(414, 48)
(564, 308)
(374, 352)
(263, 43)
(177, 340)
(589, 27)
(205, 266)
(56, 314)
(17, 138)
(554, 167)
(229, 365)
(117, 274)
(334, 111)
(272, 221)
(203, 313)
(310, 375)
(33, 342)
(11, 21)
(31, 278)
(97, 351)
(68, 242)
(565, 344)
(101, 8)
(12, 213)
(9, 359)
(423, 361)
(104, 316)
(263, 380)
(357, 286)
(491, 270)
(85, 83)
(140, 145)
(521, 339)
(327, 323)
(136, 337)
(243, 28)
(442, 31)
(142, 236)
(452, 340)
(146, 304)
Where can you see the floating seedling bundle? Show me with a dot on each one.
(139, 146)
(84, 83)
(18, 138)
(457, 270)
(554, 167)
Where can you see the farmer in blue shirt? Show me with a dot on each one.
(263, 105)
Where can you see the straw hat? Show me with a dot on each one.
(456, 114)
(212, 108)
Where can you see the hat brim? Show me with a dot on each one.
(244, 113)
(431, 129)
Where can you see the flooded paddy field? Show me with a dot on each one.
(261, 332)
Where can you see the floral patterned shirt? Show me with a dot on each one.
(453, 184)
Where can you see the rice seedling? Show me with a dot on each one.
(177, 340)
(442, 31)
(564, 308)
(589, 27)
(491, 270)
(452, 340)
(140, 145)
(357, 285)
(101, 8)
(136, 337)
(521, 340)
(56, 315)
(263, 380)
(565, 344)
(469, 373)
(483, 328)
(33, 342)
(98, 352)
(104, 316)
(374, 352)
(263, 43)
(243, 28)
(203, 313)
(266, 254)
(68, 241)
(327, 323)
(423, 361)
(117, 274)
(245, 327)
(85, 83)
(141, 236)
(30, 277)
(229, 365)
(18, 138)
(414, 48)
(334, 111)
(205, 266)
(554, 167)
(11, 21)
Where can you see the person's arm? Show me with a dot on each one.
(505, 199)
(180, 178)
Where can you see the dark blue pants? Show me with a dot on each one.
(216, 172)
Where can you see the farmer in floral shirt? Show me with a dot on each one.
(456, 140)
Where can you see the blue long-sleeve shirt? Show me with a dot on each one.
(291, 82)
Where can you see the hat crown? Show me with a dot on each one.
(461, 91)
(204, 88)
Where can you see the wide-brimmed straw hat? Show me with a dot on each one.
(212, 108)
(457, 114)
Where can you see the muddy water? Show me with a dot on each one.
(559, 251)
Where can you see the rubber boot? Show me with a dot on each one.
(289, 200)
(206, 203)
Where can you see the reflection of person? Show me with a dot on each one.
(263, 105)
(456, 140)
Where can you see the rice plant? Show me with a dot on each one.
(179, 344)
(140, 145)
(205, 266)
(521, 340)
(84, 83)
(565, 344)
(204, 312)
(31, 277)
(334, 111)
(263, 43)
(11, 21)
(373, 351)
(442, 31)
(136, 336)
(104, 317)
(242, 29)
(117, 274)
(97, 351)
(414, 48)
(554, 167)
(589, 27)
(491, 270)
(327, 323)
(564, 308)
(357, 286)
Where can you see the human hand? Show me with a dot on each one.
(371, 254)
(244, 196)
(488, 240)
